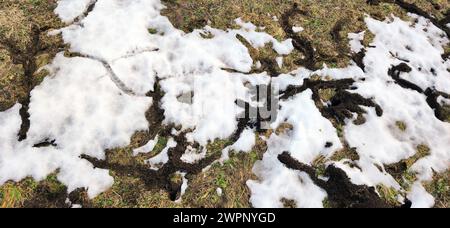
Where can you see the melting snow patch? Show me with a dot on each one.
(307, 141)
(147, 147)
(98, 117)
(356, 41)
(86, 108)
(163, 157)
(219, 191)
(68, 10)
(245, 144)
(420, 197)
(298, 29)
(379, 141)
(184, 186)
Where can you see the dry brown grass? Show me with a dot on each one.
(17, 17)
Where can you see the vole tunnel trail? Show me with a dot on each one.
(161, 178)
(342, 193)
(432, 95)
(412, 8)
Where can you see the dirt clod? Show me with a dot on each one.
(341, 192)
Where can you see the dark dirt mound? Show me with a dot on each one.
(341, 192)
(395, 72)
(46, 197)
(342, 104)
(432, 95)
(161, 178)
(397, 170)
(300, 43)
(312, 59)
(412, 8)
(432, 100)
(27, 58)
(46, 143)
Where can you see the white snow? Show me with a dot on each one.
(443, 101)
(420, 197)
(245, 143)
(379, 141)
(260, 39)
(297, 29)
(306, 142)
(68, 10)
(84, 107)
(163, 157)
(147, 147)
(219, 191)
(85, 113)
(422, 49)
(356, 41)
(279, 61)
(184, 186)
(192, 155)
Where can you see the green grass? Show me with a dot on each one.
(17, 17)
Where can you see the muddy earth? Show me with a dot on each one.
(25, 47)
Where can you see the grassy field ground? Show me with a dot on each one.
(25, 47)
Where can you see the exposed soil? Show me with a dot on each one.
(358, 58)
(342, 104)
(395, 72)
(432, 100)
(155, 114)
(341, 43)
(27, 57)
(342, 193)
(412, 8)
(300, 43)
(160, 179)
(397, 170)
(312, 58)
(87, 11)
(46, 143)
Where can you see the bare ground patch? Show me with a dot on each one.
(25, 47)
